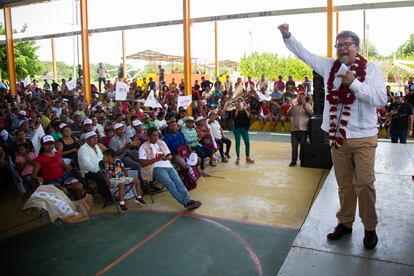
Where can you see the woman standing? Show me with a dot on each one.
(241, 124)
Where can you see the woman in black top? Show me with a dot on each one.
(68, 146)
(241, 124)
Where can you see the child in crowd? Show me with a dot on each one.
(24, 161)
(118, 177)
(109, 131)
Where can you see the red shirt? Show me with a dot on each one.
(51, 167)
(285, 107)
(266, 108)
(247, 83)
(280, 85)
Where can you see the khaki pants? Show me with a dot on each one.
(354, 170)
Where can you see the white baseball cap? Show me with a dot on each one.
(136, 123)
(22, 113)
(47, 138)
(4, 135)
(118, 125)
(89, 134)
(398, 94)
(200, 118)
(62, 125)
(87, 122)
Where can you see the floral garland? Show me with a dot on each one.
(344, 96)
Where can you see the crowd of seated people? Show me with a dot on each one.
(79, 136)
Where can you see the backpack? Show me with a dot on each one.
(102, 186)
(191, 175)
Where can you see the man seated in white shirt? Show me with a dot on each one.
(218, 134)
(155, 161)
(89, 156)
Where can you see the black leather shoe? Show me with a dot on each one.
(293, 163)
(339, 231)
(370, 239)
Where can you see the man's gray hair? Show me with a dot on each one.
(354, 36)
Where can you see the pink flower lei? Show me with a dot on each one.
(342, 96)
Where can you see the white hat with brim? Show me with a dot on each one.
(87, 122)
(136, 123)
(201, 118)
(22, 113)
(398, 94)
(62, 125)
(89, 134)
(118, 125)
(4, 135)
(47, 139)
(188, 119)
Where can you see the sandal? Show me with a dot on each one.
(213, 163)
(249, 160)
(238, 161)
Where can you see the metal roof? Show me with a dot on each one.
(14, 3)
(150, 55)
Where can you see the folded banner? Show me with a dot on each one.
(121, 91)
(263, 97)
(183, 101)
(38, 134)
(27, 81)
(71, 84)
(238, 91)
(152, 101)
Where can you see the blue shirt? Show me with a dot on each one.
(175, 141)
(152, 85)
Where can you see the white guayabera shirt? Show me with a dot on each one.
(369, 95)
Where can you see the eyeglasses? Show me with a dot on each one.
(345, 45)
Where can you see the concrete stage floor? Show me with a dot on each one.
(312, 254)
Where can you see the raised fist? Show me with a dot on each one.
(284, 29)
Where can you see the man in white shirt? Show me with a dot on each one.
(89, 156)
(155, 160)
(219, 137)
(350, 118)
(101, 75)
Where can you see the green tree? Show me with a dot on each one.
(26, 60)
(272, 66)
(372, 51)
(407, 49)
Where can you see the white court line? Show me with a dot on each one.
(288, 134)
(279, 134)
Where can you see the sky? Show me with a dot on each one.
(388, 28)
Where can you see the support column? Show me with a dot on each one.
(10, 50)
(187, 52)
(216, 68)
(329, 11)
(364, 39)
(337, 22)
(85, 51)
(54, 67)
(123, 56)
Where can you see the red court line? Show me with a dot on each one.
(246, 245)
(140, 244)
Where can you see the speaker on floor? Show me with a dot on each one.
(318, 94)
(317, 135)
(317, 156)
